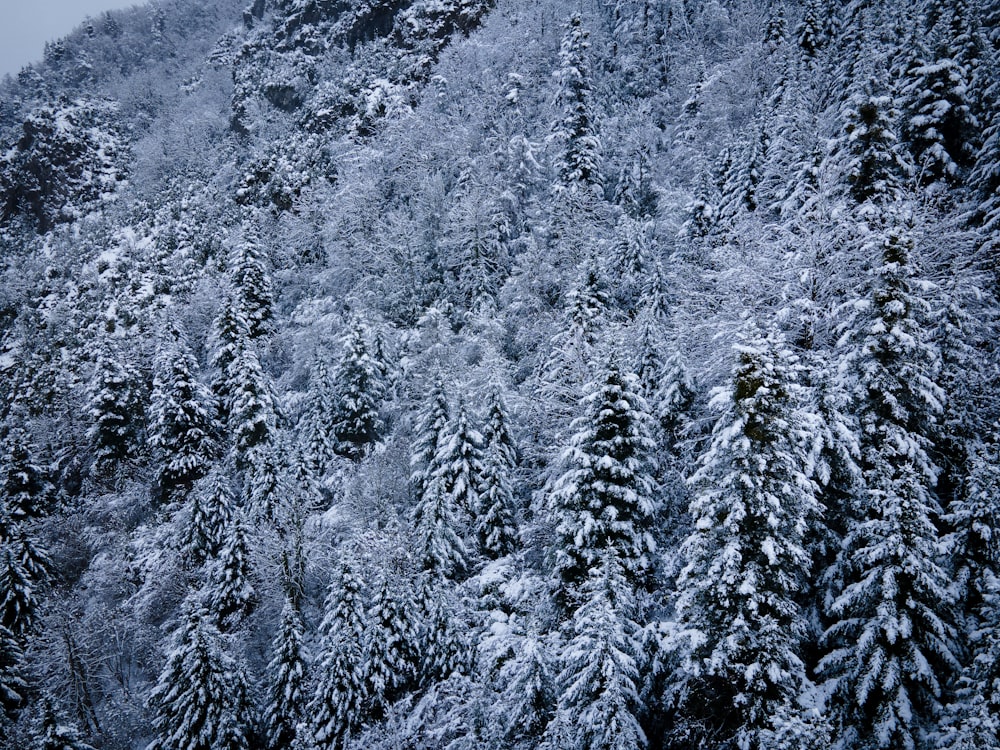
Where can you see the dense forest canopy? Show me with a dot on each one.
(607, 374)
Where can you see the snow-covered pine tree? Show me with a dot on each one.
(443, 650)
(635, 191)
(439, 523)
(390, 645)
(603, 503)
(972, 718)
(207, 513)
(459, 464)
(666, 384)
(496, 524)
(200, 701)
(569, 366)
(23, 488)
(809, 32)
(13, 685)
(357, 393)
(940, 127)
(341, 701)
(432, 422)
(890, 648)
(18, 593)
(598, 682)
(285, 707)
(264, 488)
(182, 426)
(114, 412)
(529, 690)
(315, 427)
(579, 147)
(869, 160)
(232, 591)
(230, 331)
(54, 734)
(251, 282)
(745, 559)
(251, 408)
(496, 432)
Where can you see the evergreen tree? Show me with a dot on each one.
(891, 644)
(114, 412)
(529, 692)
(439, 526)
(251, 283)
(251, 408)
(207, 514)
(264, 490)
(316, 425)
(341, 701)
(459, 465)
(432, 422)
(599, 694)
(233, 594)
(390, 656)
(437, 520)
(745, 560)
(871, 165)
(499, 439)
(569, 366)
(200, 701)
(810, 30)
(286, 701)
(57, 735)
(635, 191)
(357, 392)
(603, 501)
(442, 651)
(231, 330)
(18, 593)
(940, 127)
(972, 719)
(578, 159)
(496, 524)
(13, 686)
(23, 488)
(182, 425)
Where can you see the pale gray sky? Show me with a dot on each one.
(25, 26)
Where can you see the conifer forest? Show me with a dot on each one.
(501, 375)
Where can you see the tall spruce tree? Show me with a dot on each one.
(341, 701)
(872, 166)
(745, 559)
(233, 594)
(357, 393)
(201, 699)
(182, 427)
(390, 653)
(578, 157)
(114, 412)
(286, 701)
(13, 685)
(496, 523)
(890, 647)
(598, 703)
(207, 514)
(603, 502)
(940, 127)
(251, 282)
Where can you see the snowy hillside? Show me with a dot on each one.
(453, 374)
